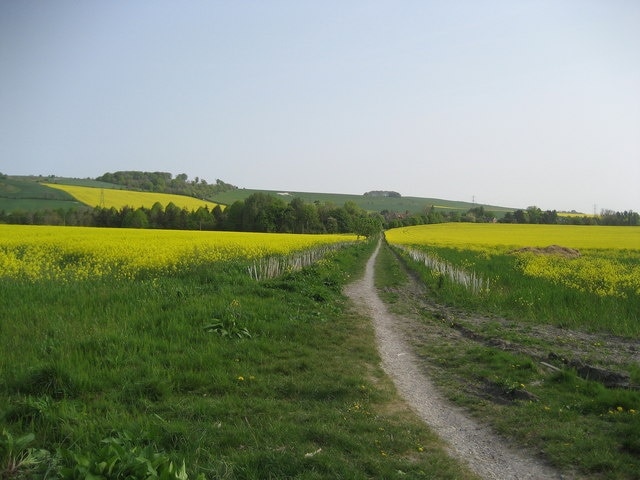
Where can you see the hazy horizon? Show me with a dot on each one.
(508, 103)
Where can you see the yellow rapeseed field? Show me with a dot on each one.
(480, 235)
(607, 262)
(45, 252)
(108, 198)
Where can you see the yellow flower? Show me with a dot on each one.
(606, 266)
(77, 253)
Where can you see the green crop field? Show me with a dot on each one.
(29, 194)
(533, 329)
(129, 348)
(196, 372)
(14, 188)
(564, 274)
(19, 194)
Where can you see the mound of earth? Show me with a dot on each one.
(565, 252)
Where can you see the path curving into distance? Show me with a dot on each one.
(474, 444)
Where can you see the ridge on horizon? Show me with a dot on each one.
(408, 203)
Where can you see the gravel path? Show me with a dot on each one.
(485, 454)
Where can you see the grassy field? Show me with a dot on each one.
(18, 189)
(499, 368)
(279, 378)
(19, 194)
(237, 378)
(571, 276)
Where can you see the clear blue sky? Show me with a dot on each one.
(513, 103)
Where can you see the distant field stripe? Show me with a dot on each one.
(122, 198)
(465, 235)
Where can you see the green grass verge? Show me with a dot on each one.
(579, 425)
(101, 375)
(535, 300)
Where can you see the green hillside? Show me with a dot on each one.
(81, 182)
(373, 204)
(26, 193)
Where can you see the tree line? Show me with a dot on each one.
(259, 212)
(606, 217)
(530, 215)
(164, 182)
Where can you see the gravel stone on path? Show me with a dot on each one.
(485, 453)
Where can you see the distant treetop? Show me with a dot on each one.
(164, 182)
(382, 193)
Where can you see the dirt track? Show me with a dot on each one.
(485, 453)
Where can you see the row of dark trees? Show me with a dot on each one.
(431, 215)
(258, 213)
(606, 217)
(628, 217)
(533, 215)
(478, 214)
(261, 212)
(165, 182)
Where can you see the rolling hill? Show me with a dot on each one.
(108, 197)
(40, 193)
(51, 193)
(369, 203)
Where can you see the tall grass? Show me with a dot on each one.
(133, 363)
(538, 299)
(582, 427)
